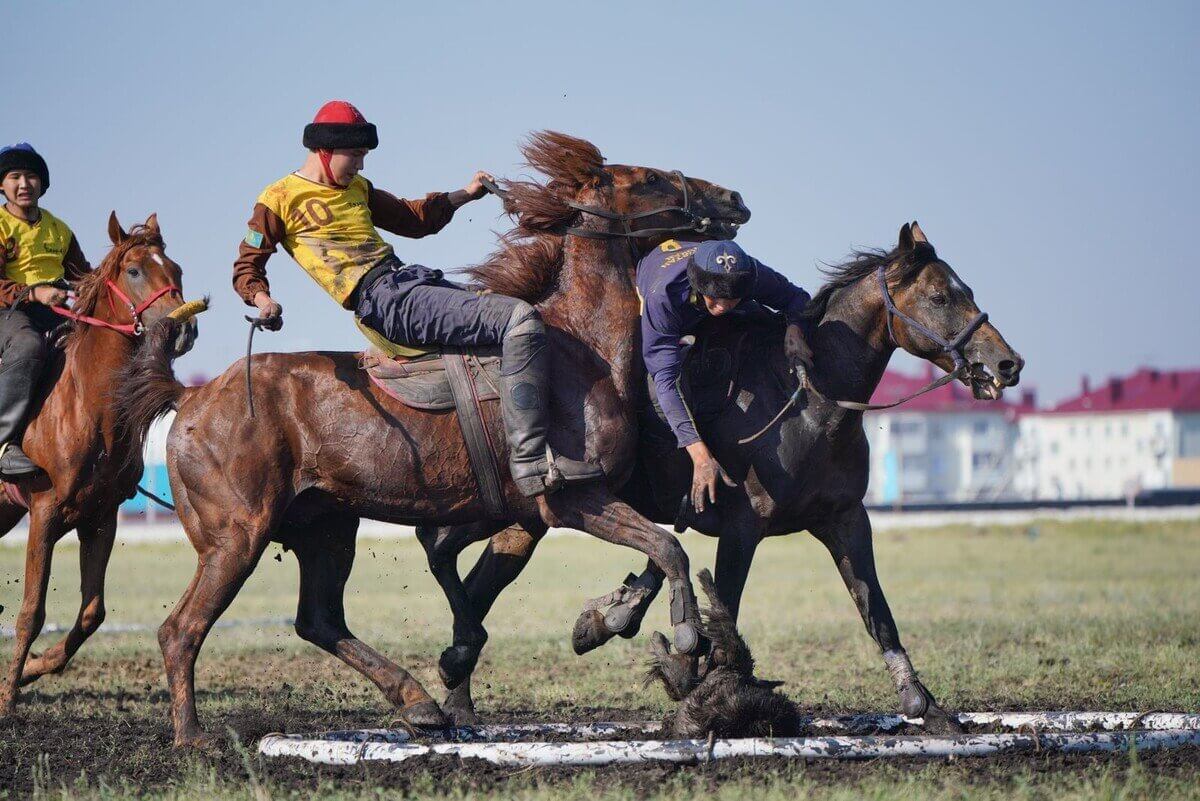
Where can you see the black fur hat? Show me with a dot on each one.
(22, 156)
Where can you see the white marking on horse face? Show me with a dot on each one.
(158, 259)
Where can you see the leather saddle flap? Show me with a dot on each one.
(422, 383)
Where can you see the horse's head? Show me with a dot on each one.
(645, 204)
(143, 283)
(929, 295)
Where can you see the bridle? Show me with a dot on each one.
(954, 346)
(695, 223)
(134, 329)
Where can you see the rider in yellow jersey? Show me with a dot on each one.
(38, 254)
(325, 215)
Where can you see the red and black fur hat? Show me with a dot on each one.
(340, 126)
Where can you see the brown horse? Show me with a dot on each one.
(91, 463)
(807, 473)
(327, 447)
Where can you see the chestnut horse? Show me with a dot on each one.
(327, 447)
(808, 472)
(91, 463)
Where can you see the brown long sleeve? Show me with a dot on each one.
(9, 290)
(250, 269)
(411, 218)
(75, 264)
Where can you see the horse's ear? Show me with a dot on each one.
(152, 223)
(115, 232)
(906, 239)
(917, 234)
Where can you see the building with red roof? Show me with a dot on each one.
(1115, 438)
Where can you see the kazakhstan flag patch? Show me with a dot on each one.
(253, 238)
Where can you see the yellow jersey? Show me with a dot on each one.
(34, 252)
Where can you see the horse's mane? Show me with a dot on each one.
(901, 267)
(529, 258)
(90, 288)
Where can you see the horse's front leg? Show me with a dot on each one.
(848, 537)
(45, 529)
(594, 509)
(95, 547)
(741, 532)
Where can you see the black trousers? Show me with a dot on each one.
(23, 332)
(414, 305)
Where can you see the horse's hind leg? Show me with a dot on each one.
(43, 535)
(501, 562)
(848, 538)
(95, 546)
(325, 551)
(442, 545)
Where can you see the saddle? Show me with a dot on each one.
(450, 378)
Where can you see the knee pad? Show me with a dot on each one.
(524, 321)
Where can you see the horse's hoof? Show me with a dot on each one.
(460, 707)
(590, 632)
(917, 702)
(687, 638)
(424, 715)
(198, 740)
(456, 664)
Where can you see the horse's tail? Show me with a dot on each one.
(148, 388)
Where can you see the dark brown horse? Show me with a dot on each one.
(327, 447)
(91, 463)
(809, 472)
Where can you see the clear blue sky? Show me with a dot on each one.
(1051, 153)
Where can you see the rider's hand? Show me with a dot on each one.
(705, 474)
(48, 295)
(796, 347)
(475, 188)
(270, 312)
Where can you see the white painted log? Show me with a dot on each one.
(616, 752)
(1045, 731)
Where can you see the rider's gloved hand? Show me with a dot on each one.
(270, 312)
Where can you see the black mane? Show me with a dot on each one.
(901, 267)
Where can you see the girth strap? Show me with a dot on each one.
(475, 434)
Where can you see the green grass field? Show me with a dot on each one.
(1052, 616)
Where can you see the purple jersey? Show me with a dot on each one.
(670, 311)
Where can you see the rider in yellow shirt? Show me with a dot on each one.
(38, 254)
(325, 216)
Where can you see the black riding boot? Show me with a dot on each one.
(17, 384)
(525, 404)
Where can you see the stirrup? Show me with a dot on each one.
(561, 471)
